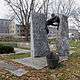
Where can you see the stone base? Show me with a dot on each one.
(63, 58)
(37, 63)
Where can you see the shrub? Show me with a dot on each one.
(6, 49)
(9, 44)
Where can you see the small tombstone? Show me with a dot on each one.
(39, 40)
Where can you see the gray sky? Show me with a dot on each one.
(4, 9)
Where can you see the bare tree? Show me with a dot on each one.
(64, 7)
(76, 15)
(21, 11)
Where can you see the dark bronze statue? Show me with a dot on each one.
(54, 21)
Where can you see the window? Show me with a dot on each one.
(1, 22)
(6, 23)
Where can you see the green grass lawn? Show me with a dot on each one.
(25, 48)
(75, 46)
(73, 43)
(17, 56)
(1, 78)
(13, 44)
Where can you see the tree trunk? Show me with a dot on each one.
(25, 31)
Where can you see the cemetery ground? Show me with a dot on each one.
(67, 70)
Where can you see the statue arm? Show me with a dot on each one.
(49, 22)
(53, 21)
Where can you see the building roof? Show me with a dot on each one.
(5, 19)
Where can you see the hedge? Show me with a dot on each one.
(6, 49)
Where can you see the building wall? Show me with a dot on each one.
(18, 29)
(7, 28)
(4, 26)
(12, 28)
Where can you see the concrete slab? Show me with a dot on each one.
(18, 72)
(12, 69)
(37, 63)
(63, 58)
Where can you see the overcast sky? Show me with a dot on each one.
(4, 8)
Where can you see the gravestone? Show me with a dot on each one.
(63, 47)
(39, 40)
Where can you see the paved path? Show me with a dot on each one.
(12, 69)
(63, 58)
(18, 50)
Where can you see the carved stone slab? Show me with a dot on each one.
(63, 37)
(39, 40)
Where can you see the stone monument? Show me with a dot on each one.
(63, 47)
(39, 39)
